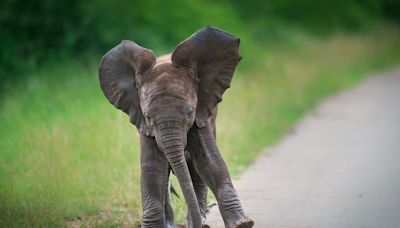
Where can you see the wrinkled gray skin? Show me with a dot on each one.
(172, 100)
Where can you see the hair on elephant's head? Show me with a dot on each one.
(165, 96)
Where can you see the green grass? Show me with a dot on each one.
(67, 157)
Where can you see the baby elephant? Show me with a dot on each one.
(172, 100)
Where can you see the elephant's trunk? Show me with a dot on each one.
(171, 140)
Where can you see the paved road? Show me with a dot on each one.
(340, 167)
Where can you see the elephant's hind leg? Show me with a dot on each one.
(169, 213)
(200, 188)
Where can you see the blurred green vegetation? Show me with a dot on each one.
(68, 158)
(33, 31)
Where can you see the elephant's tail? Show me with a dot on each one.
(173, 191)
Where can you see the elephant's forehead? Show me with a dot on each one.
(169, 83)
(165, 79)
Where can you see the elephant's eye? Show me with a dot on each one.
(147, 119)
(190, 111)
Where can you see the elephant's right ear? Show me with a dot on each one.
(118, 73)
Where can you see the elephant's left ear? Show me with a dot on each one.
(119, 71)
(213, 54)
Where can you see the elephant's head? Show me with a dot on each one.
(165, 96)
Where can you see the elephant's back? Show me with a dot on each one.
(164, 59)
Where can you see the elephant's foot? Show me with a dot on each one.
(243, 223)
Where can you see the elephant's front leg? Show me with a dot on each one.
(154, 181)
(212, 169)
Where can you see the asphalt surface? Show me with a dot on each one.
(339, 167)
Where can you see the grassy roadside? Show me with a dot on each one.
(263, 104)
(68, 157)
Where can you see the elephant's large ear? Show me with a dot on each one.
(118, 73)
(214, 55)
